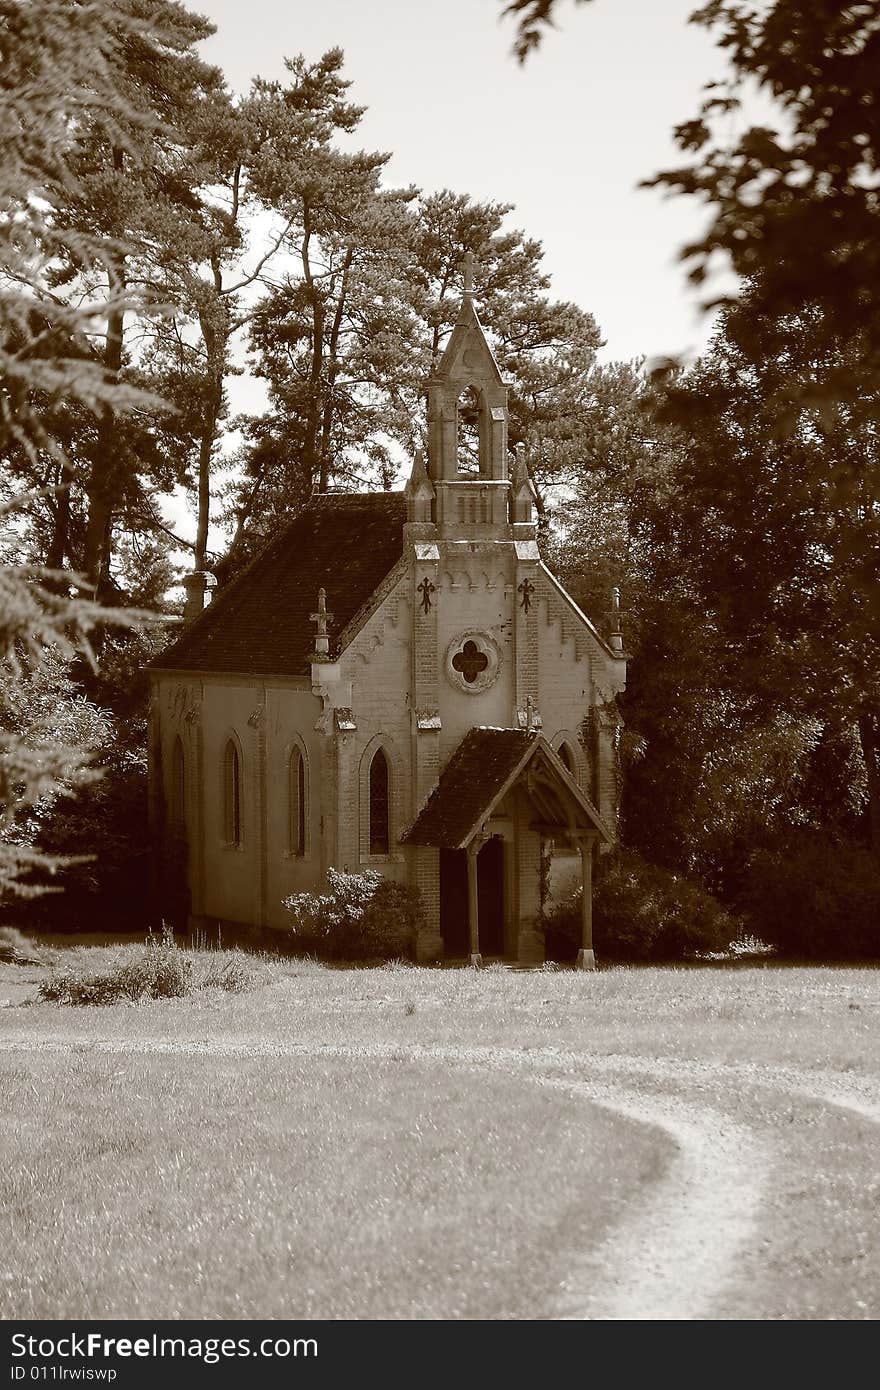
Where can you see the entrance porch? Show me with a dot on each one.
(502, 794)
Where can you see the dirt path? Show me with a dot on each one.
(673, 1255)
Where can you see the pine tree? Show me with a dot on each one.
(58, 73)
(335, 337)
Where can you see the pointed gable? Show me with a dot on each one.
(483, 768)
(468, 356)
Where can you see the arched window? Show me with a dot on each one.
(232, 794)
(379, 810)
(468, 456)
(296, 803)
(178, 786)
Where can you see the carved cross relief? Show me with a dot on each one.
(426, 589)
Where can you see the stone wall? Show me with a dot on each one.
(243, 883)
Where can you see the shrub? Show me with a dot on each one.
(642, 912)
(157, 971)
(231, 971)
(100, 833)
(817, 897)
(361, 916)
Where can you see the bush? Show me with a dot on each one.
(361, 916)
(158, 971)
(231, 971)
(642, 912)
(817, 897)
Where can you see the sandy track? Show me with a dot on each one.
(673, 1254)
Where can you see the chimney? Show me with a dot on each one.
(616, 627)
(198, 586)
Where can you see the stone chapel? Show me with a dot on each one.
(397, 682)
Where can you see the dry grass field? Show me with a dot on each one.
(412, 1143)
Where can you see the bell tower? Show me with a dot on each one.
(467, 432)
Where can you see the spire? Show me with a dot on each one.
(521, 468)
(418, 478)
(467, 430)
(419, 490)
(522, 492)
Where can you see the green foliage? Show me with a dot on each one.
(817, 896)
(645, 913)
(157, 971)
(361, 916)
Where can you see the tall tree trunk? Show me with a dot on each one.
(316, 468)
(869, 738)
(59, 544)
(332, 372)
(216, 339)
(206, 448)
(103, 485)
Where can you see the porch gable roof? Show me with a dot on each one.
(481, 771)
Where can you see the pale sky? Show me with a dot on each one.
(565, 138)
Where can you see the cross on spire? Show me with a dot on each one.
(469, 267)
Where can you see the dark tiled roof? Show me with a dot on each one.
(261, 623)
(469, 783)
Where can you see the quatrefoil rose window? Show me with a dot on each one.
(472, 661)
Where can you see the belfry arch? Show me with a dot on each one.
(469, 432)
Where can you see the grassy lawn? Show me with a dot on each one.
(204, 1157)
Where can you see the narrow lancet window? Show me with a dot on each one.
(232, 795)
(297, 802)
(379, 810)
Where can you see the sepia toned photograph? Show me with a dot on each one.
(440, 674)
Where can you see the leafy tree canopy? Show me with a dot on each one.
(795, 203)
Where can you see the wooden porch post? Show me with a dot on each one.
(472, 851)
(586, 959)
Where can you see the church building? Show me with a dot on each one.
(397, 682)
